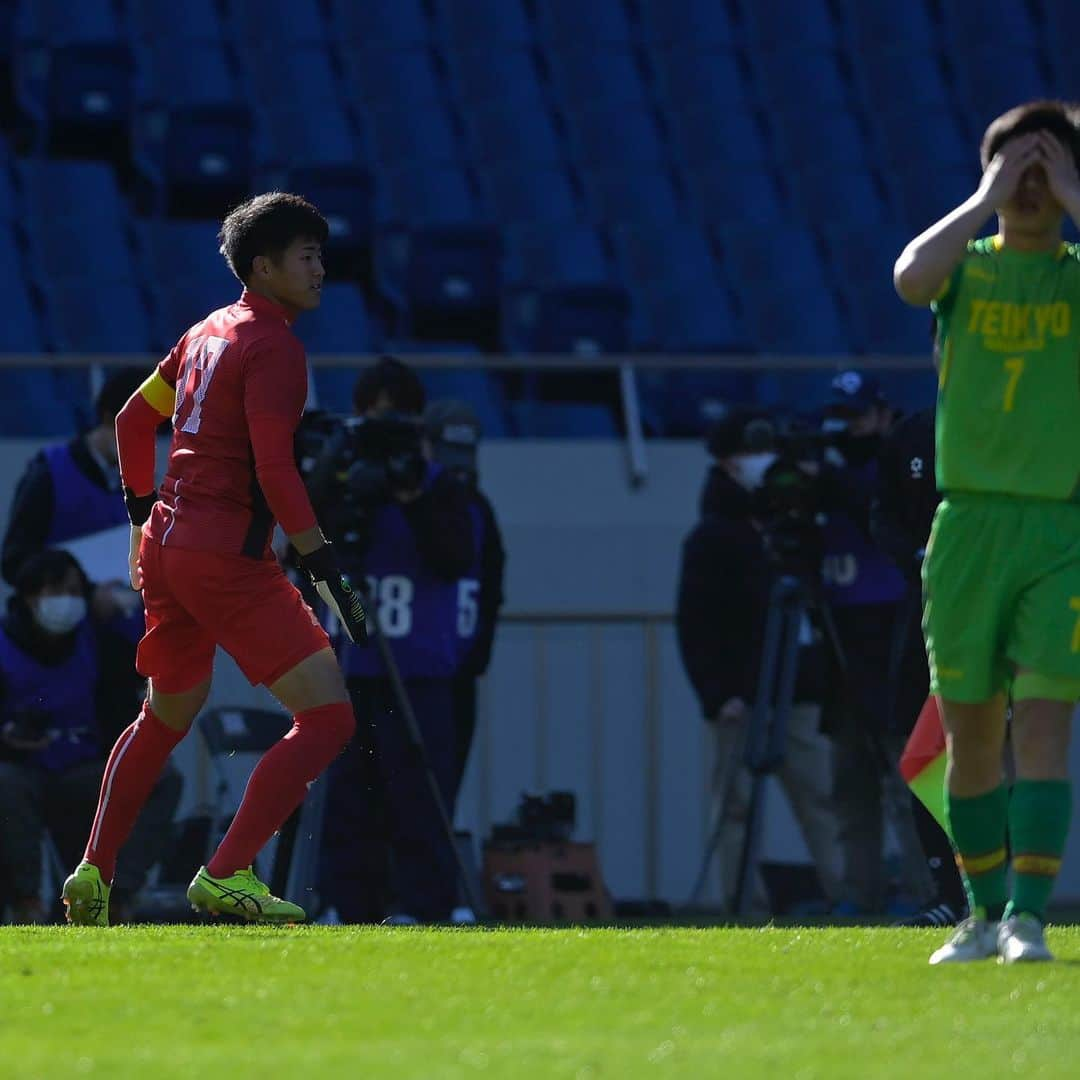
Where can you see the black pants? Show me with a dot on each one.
(384, 845)
(464, 726)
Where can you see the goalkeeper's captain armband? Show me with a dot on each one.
(139, 506)
(336, 592)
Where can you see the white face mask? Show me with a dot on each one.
(748, 470)
(60, 614)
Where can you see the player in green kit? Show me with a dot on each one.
(1002, 572)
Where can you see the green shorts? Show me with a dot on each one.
(1001, 590)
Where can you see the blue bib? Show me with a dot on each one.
(417, 611)
(65, 692)
(80, 507)
(468, 587)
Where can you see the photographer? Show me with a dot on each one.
(900, 520)
(402, 525)
(730, 562)
(453, 432)
(54, 694)
(863, 589)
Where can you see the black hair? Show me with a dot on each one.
(1060, 118)
(397, 380)
(267, 225)
(46, 568)
(115, 391)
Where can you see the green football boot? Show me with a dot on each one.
(242, 895)
(86, 897)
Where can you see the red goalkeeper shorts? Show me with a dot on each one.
(197, 600)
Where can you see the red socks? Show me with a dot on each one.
(132, 771)
(279, 783)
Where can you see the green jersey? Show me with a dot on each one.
(1008, 412)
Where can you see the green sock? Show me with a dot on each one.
(978, 827)
(1039, 813)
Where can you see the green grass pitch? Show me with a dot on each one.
(317, 1002)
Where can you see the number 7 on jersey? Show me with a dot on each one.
(197, 370)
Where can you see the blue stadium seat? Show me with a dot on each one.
(339, 324)
(57, 23)
(507, 75)
(522, 192)
(175, 26)
(92, 315)
(788, 23)
(922, 203)
(580, 319)
(686, 317)
(824, 193)
(177, 78)
(19, 331)
(907, 134)
(779, 279)
(703, 135)
(293, 22)
(801, 77)
(1061, 32)
(589, 73)
(373, 23)
(611, 135)
(562, 420)
(385, 76)
(471, 23)
(402, 135)
(83, 188)
(983, 89)
(700, 23)
(880, 73)
(990, 22)
(545, 255)
(648, 252)
(809, 136)
(425, 195)
(638, 194)
(478, 388)
(735, 192)
(689, 75)
(863, 260)
(188, 274)
(599, 22)
(513, 131)
(904, 26)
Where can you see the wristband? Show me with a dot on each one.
(139, 506)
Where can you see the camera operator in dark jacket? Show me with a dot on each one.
(900, 520)
(55, 683)
(402, 525)
(730, 562)
(453, 431)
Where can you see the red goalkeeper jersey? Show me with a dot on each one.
(241, 382)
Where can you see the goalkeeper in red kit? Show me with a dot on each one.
(234, 386)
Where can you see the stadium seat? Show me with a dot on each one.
(863, 260)
(380, 23)
(648, 252)
(1060, 34)
(827, 193)
(907, 134)
(808, 136)
(546, 255)
(904, 26)
(880, 72)
(922, 203)
(586, 74)
(292, 22)
(599, 22)
(788, 23)
(513, 131)
(521, 192)
(639, 194)
(424, 195)
(467, 24)
(801, 77)
(476, 387)
(611, 135)
(507, 75)
(175, 26)
(689, 75)
(391, 76)
(562, 420)
(19, 330)
(686, 316)
(984, 93)
(403, 135)
(704, 135)
(92, 315)
(779, 280)
(581, 319)
(339, 324)
(736, 192)
(700, 23)
(1003, 23)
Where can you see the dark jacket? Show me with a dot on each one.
(724, 584)
(492, 565)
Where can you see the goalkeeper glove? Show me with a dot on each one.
(335, 591)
